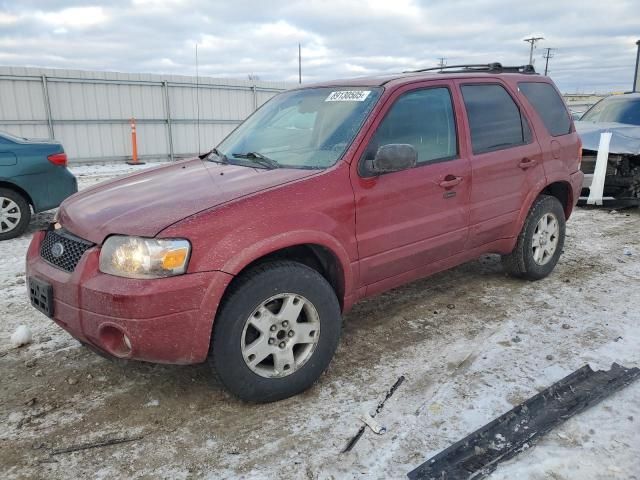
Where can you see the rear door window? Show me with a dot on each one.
(495, 120)
(545, 99)
(424, 119)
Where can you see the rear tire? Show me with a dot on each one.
(276, 332)
(540, 242)
(15, 214)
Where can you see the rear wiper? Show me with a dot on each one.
(216, 156)
(258, 158)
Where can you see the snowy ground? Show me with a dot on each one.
(471, 343)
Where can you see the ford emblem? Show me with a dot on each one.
(57, 249)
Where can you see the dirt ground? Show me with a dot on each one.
(471, 343)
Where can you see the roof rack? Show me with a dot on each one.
(479, 67)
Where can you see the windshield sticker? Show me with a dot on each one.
(348, 96)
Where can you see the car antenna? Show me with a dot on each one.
(197, 102)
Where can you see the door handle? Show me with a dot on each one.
(450, 181)
(527, 163)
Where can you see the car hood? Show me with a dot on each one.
(625, 139)
(145, 203)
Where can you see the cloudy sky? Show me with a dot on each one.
(595, 39)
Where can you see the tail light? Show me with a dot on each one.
(58, 159)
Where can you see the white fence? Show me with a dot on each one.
(89, 112)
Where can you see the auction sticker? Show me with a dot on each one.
(348, 96)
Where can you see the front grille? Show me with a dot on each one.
(67, 257)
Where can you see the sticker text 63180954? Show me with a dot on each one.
(348, 96)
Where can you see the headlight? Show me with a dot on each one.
(136, 257)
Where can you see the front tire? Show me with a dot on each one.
(15, 214)
(540, 242)
(276, 332)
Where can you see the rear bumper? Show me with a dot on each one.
(59, 186)
(49, 189)
(166, 320)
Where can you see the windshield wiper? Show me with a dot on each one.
(258, 158)
(216, 156)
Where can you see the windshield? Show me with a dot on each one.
(309, 128)
(615, 109)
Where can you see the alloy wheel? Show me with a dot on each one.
(280, 336)
(545, 239)
(10, 215)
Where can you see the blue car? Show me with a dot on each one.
(33, 175)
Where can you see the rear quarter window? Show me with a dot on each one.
(550, 107)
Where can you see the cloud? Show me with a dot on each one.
(74, 17)
(595, 41)
(7, 18)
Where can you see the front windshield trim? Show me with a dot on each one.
(307, 100)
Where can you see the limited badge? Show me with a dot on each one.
(348, 96)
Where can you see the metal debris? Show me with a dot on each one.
(370, 422)
(477, 455)
(100, 443)
(357, 436)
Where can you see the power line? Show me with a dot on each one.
(547, 56)
(532, 41)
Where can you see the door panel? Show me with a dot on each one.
(501, 183)
(406, 219)
(411, 218)
(506, 161)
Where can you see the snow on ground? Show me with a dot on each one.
(472, 343)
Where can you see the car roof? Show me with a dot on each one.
(624, 96)
(398, 79)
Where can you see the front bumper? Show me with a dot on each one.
(608, 200)
(167, 320)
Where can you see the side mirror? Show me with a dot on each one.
(393, 158)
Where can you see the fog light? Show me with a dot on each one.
(115, 341)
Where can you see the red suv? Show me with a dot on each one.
(249, 255)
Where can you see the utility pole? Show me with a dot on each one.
(299, 63)
(636, 77)
(442, 63)
(547, 56)
(532, 41)
(197, 101)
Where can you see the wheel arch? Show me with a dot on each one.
(563, 191)
(317, 256)
(560, 189)
(17, 189)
